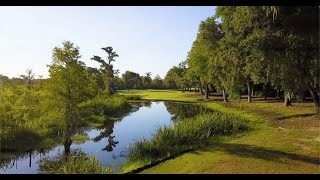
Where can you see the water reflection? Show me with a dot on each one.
(181, 111)
(108, 142)
(106, 132)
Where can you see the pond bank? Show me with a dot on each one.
(267, 149)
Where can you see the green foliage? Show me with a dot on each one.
(107, 69)
(132, 80)
(68, 83)
(157, 83)
(175, 77)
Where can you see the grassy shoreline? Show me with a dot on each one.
(269, 148)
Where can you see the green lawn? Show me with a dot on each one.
(161, 95)
(285, 139)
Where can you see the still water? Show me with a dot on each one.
(109, 142)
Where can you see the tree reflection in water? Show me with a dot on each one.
(181, 111)
(107, 133)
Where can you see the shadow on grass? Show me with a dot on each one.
(158, 162)
(249, 151)
(296, 116)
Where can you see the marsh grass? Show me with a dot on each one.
(77, 163)
(133, 97)
(100, 108)
(186, 134)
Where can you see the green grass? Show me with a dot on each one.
(289, 146)
(73, 164)
(160, 95)
(186, 134)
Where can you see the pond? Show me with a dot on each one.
(108, 143)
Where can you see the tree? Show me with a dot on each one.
(29, 77)
(293, 52)
(67, 85)
(3, 81)
(132, 80)
(147, 80)
(203, 49)
(107, 69)
(175, 77)
(157, 82)
(245, 32)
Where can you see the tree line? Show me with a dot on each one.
(242, 49)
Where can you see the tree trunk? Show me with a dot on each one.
(249, 92)
(316, 98)
(287, 99)
(200, 88)
(67, 140)
(207, 91)
(301, 96)
(225, 98)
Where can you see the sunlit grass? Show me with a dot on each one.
(161, 95)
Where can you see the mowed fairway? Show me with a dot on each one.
(284, 140)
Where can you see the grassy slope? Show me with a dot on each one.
(284, 140)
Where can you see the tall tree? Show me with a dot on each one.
(67, 85)
(203, 48)
(107, 69)
(296, 40)
(245, 30)
(147, 80)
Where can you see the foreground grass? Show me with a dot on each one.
(74, 164)
(269, 148)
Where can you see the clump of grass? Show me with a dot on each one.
(73, 164)
(186, 134)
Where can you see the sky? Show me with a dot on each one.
(147, 39)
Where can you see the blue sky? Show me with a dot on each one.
(147, 39)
